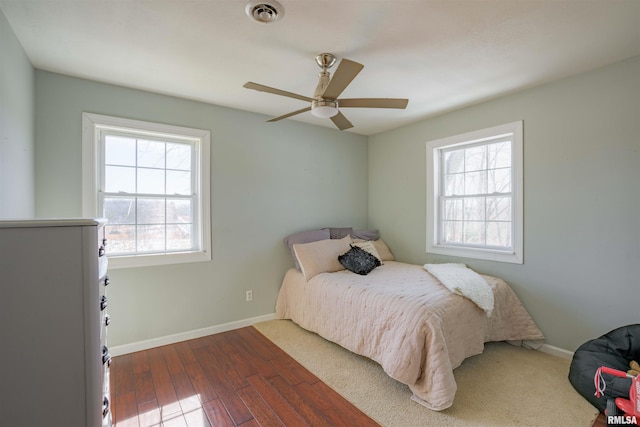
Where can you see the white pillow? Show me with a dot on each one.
(321, 256)
(384, 253)
(370, 247)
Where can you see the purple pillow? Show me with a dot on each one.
(339, 232)
(305, 237)
(365, 234)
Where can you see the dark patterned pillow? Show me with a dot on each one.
(358, 260)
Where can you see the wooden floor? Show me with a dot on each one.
(601, 421)
(236, 378)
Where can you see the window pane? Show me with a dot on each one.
(151, 211)
(499, 155)
(119, 210)
(499, 181)
(150, 154)
(119, 150)
(454, 185)
(179, 211)
(474, 209)
(179, 237)
(121, 238)
(119, 179)
(498, 208)
(179, 156)
(151, 238)
(150, 181)
(475, 183)
(474, 232)
(453, 209)
(499, 234)
(475, 158)
(454, 161)
(452, 231)
(178, 182)
(136, 163)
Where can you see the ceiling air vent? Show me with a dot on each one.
(264, 12)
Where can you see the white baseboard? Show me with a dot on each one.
(197, 333)
(188, 335)
(556, 351)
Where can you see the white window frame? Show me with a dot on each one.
(93, 164)
(434, 150)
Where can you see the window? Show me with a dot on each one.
(474, 194)
(151, 181)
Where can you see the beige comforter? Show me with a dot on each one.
(403, 318)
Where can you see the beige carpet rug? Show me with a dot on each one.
(504, 386)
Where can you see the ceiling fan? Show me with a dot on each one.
(325, 102)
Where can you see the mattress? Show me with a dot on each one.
(403, 318)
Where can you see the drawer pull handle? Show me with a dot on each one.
(106, 281)
(107, 320)
(103, 302)
(105, 406)
(101, 251)
(106, 356)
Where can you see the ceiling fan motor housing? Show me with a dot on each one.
(324, 108)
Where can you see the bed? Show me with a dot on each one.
(400, 316)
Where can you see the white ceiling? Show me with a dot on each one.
(441, 54)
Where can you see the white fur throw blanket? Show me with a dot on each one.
(464, 282)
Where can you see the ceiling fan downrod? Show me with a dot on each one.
(321, 107)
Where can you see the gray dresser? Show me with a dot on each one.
(54, 360)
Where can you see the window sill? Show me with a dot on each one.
(475, 253)
(117, 262)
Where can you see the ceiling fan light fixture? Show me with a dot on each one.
(324, 109)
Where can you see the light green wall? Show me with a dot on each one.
(16, 127)
(268, 180)
(582, 194)
(581, 275)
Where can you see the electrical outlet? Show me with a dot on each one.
(249, 295)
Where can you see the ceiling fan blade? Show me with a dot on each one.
(373, 103)
(263, 88)
(341, 121)
(345, 73)
(275, 119)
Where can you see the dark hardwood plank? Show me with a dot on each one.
(226, 393)
(313, 416)
(260, 410)
(217, 414)
(229, 361)
(172, 360)
(276, 402)
(125, 380)
(140, 363)
(201, 385)
(186, 394)
(236, 378)
(165, 393)
(144, 388)
(184, 352)
(126, 410)
(324, 399)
